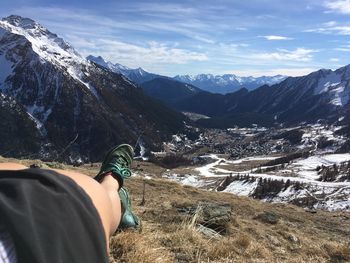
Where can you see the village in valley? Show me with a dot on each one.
(306, 165)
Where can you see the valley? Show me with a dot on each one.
(301, 165)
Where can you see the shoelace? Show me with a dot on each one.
(121, 166)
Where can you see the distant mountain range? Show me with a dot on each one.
(56, 104)
(228, 83)
(216, 84)
(137, 75)
(321, 95)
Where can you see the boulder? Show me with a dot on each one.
(268, 217)
(215, 216)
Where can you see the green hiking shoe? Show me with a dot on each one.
(129, 219)
(117, 161)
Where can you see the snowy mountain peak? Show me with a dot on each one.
(138, 75)
(117, 68)
(21, 22)
(141, 71)
(47, 45)
(99, 60)
(17, 31)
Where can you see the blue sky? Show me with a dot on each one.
(251, 37)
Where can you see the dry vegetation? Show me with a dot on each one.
(170, 235)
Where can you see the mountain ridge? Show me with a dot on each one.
(228, 83)
(137, 75)
(71, 100)
(222, 84)
(169, 91)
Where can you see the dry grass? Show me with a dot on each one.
(169, 235)
(138, 247)
(297, 237)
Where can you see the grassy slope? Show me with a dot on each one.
(170, 236)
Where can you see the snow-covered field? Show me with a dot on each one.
(328, 195)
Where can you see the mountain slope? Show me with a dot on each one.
(16, 124)
(68, 96)
(168, 90)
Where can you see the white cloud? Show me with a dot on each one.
(241, 28)
(135, 55)
(334, 59)
(292, 72)
(343, 48)
(338, 6)
(165, 8)
(331, 27)
(299, 54)
(203, 39)
(330, 23)
(273, 37)
(341, 30)
(85, 21)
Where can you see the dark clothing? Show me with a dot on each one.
(50, 218)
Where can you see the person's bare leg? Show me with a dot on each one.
(110, 187)
(12, 166)
(104, 196)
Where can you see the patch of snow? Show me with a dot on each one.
(5, 67)
(245, 188)
(207, 170)
(191, 180)
(143, 151)
(326, 82)
(187, 179)
(39, 125)
(336, 86)
(177, 138)
(307, 167)
(47, 114)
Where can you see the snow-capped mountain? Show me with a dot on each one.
(48, 46)
(117, 68)
(68, 99)
(137, 75)
(228, 82)
(216, 84)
